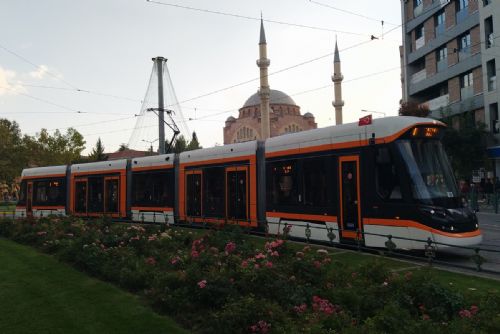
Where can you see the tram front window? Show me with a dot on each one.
(432, 180)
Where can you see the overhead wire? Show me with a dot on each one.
(252, 18)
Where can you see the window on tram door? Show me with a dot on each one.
(81, 196)
(22, 194)
(111, 193)
(96, 194)
(49, 192)
(153, 189)
(193, 195)
(214, 192)
(316, 181)
(283, 183)
(386, 176)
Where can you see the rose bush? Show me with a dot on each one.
(223, 281)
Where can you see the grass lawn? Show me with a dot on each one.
(40, 295)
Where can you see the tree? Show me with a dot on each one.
(97, 153)
(57, 149)
(180, 144)
(123, 147)
(413, 109)
(466, 145)
(193, 144)
(12, 153)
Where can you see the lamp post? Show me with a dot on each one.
(373, 111)
(150, 143)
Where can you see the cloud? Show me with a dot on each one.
(6, 86)
(40, 72)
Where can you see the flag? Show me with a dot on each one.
(367, 120)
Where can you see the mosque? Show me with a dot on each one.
(280, 114)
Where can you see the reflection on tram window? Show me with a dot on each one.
(282, 183)
(49, 192)
(431, 176)
(386, 177)
(315, 183)
(96, 194)
(213, 192)
(154, 189)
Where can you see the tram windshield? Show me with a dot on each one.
(432, 180)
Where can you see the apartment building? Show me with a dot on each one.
(449, 59)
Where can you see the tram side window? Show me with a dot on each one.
(386, 177)
(49, 192)
(22, 194)
(213, 192)
(96, 194)
(282, 183)
(153, 189)
(316, 179)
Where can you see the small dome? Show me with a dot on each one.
(308, 115)
(230, 119)
(277, 97)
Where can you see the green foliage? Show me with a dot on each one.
(182, 145)
(222, 281)
(97, 153)
(413, 109)
(12, 152)
(466, 145)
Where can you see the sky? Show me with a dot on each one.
(87, 64)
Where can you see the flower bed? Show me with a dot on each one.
(225, 282)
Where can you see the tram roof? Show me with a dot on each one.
(382, 128)
(153, 161)
(219, 152)
(99, 166)
(44, 171)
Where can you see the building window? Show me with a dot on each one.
(419, 31)
(492, 75)
(440, 22)
(495, 126)
(488, 32)
(486, 2)
(463, 4)
(466, 85)
(417, 3)
(244, 134)
(442, 58)
(464, 49)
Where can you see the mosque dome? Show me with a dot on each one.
(308, 115)
(276, 97)
(230, 119)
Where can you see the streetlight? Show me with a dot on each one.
(377, 112)
(150, 143)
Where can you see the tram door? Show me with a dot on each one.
(81, 187)
(350, 206)
(236, 199)
(111, 195)
(193, 193)
(29, 199)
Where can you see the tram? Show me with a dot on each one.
(361, 183)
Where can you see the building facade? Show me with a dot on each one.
(449, 58)
(284, 117)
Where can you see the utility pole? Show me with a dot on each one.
(161, 117)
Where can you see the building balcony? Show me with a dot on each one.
(442, 64)
(419, 76)
(466, 92)
(464, 54)
(419, 42)
(438, 102)
(418, 10)
(462, 15)
(440, 29)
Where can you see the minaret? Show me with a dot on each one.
(337, 78)
(264, 91)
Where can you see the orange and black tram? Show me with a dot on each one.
(359, 183)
